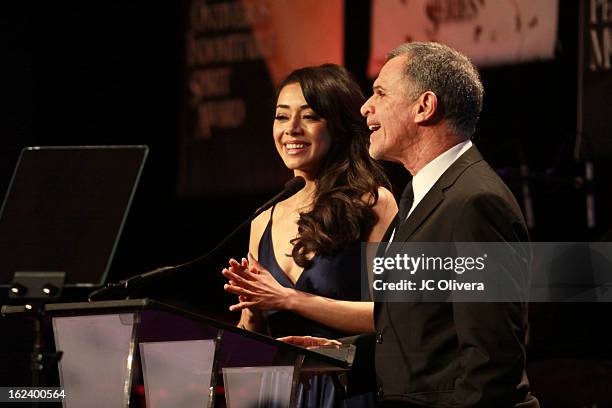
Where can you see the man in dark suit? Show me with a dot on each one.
(422, 114)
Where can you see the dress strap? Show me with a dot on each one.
(272, 213)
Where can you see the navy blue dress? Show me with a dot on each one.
(336, 277)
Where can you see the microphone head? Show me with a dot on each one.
(294, 185)
(291, 187)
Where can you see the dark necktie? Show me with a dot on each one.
(405, 203)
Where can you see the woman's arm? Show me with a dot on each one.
(258, 290)
(347, 316)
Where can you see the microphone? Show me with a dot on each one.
(291, 187)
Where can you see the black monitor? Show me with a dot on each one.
(65, 208)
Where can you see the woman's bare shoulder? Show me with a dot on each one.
(261, 220)
(385, 209)
(258, 225)
(385, 198)
(385, 205)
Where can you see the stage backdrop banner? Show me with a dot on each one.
(489, 32)
(594, 133)
(236, 53)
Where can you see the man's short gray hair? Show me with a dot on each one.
(450, 75)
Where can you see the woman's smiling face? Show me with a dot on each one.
(300, 134)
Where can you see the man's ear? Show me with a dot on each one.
(426, 108)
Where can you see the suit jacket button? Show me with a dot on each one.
(379, 338)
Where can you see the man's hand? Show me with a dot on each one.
(309, 342)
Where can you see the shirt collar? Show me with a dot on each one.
(424, 180)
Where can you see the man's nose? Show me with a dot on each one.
(367, 108)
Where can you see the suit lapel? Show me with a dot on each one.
(435, 195)
(422, 211)
(390, 229)
(382, 245)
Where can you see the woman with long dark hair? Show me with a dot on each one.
(303, 273)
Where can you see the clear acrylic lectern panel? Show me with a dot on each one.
(101, 378)
(182, 355)
(247, 387)
(177, 373)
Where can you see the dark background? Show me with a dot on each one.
(94, 73)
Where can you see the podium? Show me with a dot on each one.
(184, 357)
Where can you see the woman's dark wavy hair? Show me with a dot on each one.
(339, 215)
